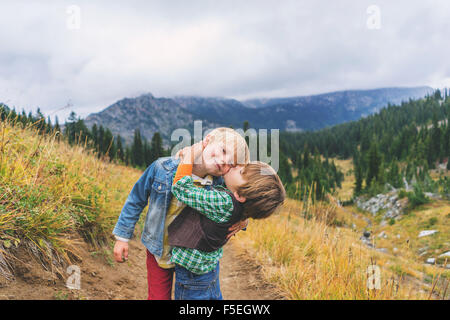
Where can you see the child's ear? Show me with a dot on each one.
(239, 198)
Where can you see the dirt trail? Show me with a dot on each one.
(240, 278)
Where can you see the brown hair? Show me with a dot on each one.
(263, 190)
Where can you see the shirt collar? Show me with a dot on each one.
(206, 181)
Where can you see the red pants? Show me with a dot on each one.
(159, 280)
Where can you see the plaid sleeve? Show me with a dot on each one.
(215, 205)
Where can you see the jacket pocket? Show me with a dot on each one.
(159, 187)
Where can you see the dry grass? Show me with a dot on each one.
(50, 193)
(309, 259)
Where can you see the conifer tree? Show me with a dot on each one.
(137, 150)
(374, 162)
(156, 147)
(120, 152)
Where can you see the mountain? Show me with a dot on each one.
(146, 113)
(327, 109)
(151, 114)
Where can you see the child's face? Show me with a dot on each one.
(234, 178)
(218, 158)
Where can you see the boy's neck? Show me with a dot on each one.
(199, 170)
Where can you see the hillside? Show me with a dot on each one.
(151, 114)
(52, 198)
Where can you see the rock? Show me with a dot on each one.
(382, 234)
(420, 250)
(431, 260)
(395, 250)
(425, 233)
(433, 195)
(389, 202)
(446, 254)
(383, 250)
(366, 241)
(398, 236)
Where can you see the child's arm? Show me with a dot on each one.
(131, 211)
(215, 205)
(136, 201)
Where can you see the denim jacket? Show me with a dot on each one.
(153, 188)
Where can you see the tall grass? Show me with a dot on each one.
(312, 259)
(52, 195)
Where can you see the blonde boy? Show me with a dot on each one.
(222, 149)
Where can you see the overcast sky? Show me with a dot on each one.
(85, 55)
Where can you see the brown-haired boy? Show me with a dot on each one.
(200, 230)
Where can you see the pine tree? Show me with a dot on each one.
(246, 126)
(147, 153)
(284, 171)
(69, 127)
(156, 147)
(101, 141)
(94, 133)
(57, 128)
(306, 157)
(120, 152)
(394, 177)
(436, 139)
(137, 150)
(374, 162)
(358, 178)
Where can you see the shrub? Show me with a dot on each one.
(417, 197)
(402, 194)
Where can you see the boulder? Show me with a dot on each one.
(382, 234)
(425, 233)
(446, 254)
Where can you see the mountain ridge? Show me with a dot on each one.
(150, 114)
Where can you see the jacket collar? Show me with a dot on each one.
(171, 163)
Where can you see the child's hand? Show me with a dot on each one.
(121, 251)
(235, 228)
(191, 154)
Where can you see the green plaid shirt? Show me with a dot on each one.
(216, 205)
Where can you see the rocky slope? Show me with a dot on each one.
(151, 114)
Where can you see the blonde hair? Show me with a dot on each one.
(263, 190)
(229, 136)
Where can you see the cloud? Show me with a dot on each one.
(237, 49)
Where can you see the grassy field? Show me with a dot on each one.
(309, 259)
(53, 195)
